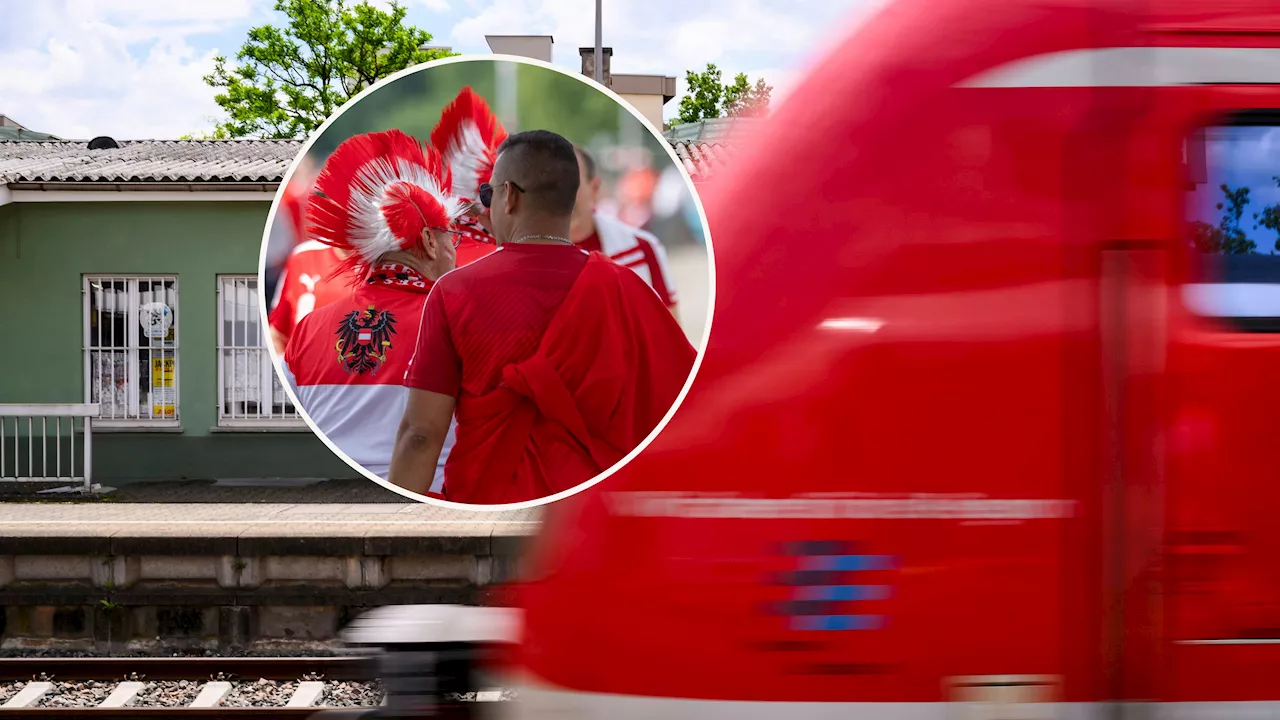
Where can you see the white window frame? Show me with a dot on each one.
(134, 349)
(232, 412)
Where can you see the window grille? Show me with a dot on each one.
(250, 392)
(131, 365)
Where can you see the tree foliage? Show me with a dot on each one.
(218, 133)
(413, 104)
(1228, 237)
(744, 100)
(290, 79)
(709, 98)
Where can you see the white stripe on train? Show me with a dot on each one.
(919, 507)
(1135, 67)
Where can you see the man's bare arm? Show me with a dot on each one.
(419, 440)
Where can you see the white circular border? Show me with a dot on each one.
(277, 361)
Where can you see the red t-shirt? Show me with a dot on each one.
(490, 314)
(306, 285)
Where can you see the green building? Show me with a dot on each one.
(128, 278)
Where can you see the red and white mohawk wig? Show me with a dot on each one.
(379, 192)
(468, 136)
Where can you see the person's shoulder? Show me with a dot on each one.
(309, 246)
(640, 234)
(645, 236)
(604, 265)
(303, 327)
(476, 270)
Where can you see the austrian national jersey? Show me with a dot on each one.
(636, 249)
(347, 360)
(306, 285)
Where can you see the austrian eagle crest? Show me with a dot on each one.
(364, 337)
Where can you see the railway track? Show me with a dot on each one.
(180, 687)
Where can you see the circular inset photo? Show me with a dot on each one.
(475, 280)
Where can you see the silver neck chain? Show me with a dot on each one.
(543, 237)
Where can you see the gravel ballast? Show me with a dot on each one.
(261, 693)
(8, 690)
(352, 694)
(168, 693)
(86, 693)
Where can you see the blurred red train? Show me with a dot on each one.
(976, 421)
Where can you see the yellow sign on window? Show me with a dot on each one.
(163, 389)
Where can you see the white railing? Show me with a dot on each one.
(38, 442)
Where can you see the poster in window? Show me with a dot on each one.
(109, 383)
(157, 321)
(163, 388)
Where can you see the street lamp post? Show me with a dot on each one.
(599, 42)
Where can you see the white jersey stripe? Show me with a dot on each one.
(622, 243)
(362, 420)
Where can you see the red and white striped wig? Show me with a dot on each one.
(467, 137)
(378, 193)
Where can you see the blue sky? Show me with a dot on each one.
(133, 68)
(1241, 156)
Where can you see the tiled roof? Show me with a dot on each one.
(703, 159)
(148, 161)
(223, 161)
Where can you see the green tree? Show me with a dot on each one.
(1269, 218)
(290, 79)
(1227, 237)
(746, 100)
(709, 98)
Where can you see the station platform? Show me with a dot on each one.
(160, 577)
(231, 490)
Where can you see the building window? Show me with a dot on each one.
(1234, 223)
(250, 393)
(131, 349)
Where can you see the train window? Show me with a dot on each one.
(1233, 222)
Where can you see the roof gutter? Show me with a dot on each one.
(137, 192)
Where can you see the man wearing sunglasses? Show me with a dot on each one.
(555, 361)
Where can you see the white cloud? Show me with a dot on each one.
(134, 68)
(439, 6)
(671, 36)
(123, 68)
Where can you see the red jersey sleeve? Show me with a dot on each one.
(281, 315)
(435, 366)
(290, 357)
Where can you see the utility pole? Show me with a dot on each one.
(599, 44)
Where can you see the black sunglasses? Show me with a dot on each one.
(486, 192)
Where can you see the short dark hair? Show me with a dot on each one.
(545, 165)
(588, 162)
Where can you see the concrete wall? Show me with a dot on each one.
(649, 105)
(46, 248)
